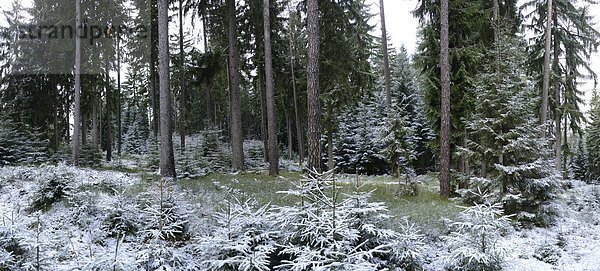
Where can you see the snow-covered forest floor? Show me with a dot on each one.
(66, 218)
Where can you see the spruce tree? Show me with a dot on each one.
(592, 142)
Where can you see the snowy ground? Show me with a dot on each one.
(572, 243)
(73, 234)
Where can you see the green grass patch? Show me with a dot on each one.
(426, 209)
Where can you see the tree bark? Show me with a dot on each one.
(154, 100)
(288, 120)
(386, 61)
(299, 130)
(330, 160)
(182, 106)
(237, 138)
(76, 148)
(263, 113)
(558, 113)
(167, 161)
(314, 106)
(119, 105)
(445, 118)
(95, 124)
(546, 68)
(84, 129)
(109, 109)
(271, 117)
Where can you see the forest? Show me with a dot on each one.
(294, 135)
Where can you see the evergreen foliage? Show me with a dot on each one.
(23, 145)
(592, 142)
(473, 242)
(505, 140)
(579, 165)
(243, 238)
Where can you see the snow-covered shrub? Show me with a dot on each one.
(242, 239)
(326, 232)
(164, 230)
(163, 216)
(118, 258)
(53, 186)
(12, 249)
(408, 247)
(158, 255)
(121, 216)
(548, 253)
(151, 158)
(191, 163)
(473, 243)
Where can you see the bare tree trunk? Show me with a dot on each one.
(330, 161)
(299, 130)
(386, 61)
(77, 107)
(153, 100)
(263, 114)
(445, 84)
(558, 113)
(119, 105)
(288, 120)
(67, 121)
(109, 109)
(237, 138)
(182, 108)
(271, 117)
(95, 124)
(546, 68)
(565, 164)
(167, 161)
(154, 77)
(204, 34)
(84, 129)
(314, 107)
(56, 134)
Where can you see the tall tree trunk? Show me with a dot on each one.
(209, 107)
(84, 129)
(95, 116)
(330, 160)
(119, 104)
(56, 134)
(546, 68)
(167, 161)
(558, 113)
(205, 34)
(67, 121)
(445, 118)
(288, 120)
(271, 117)
(312, 91)
(182, 106)
(153, 100)
(386, 61)
(76, 148)
(299, 130)
(109, 109)
(263, 113)
(154, 77)
(237, 138)
(565, 164)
